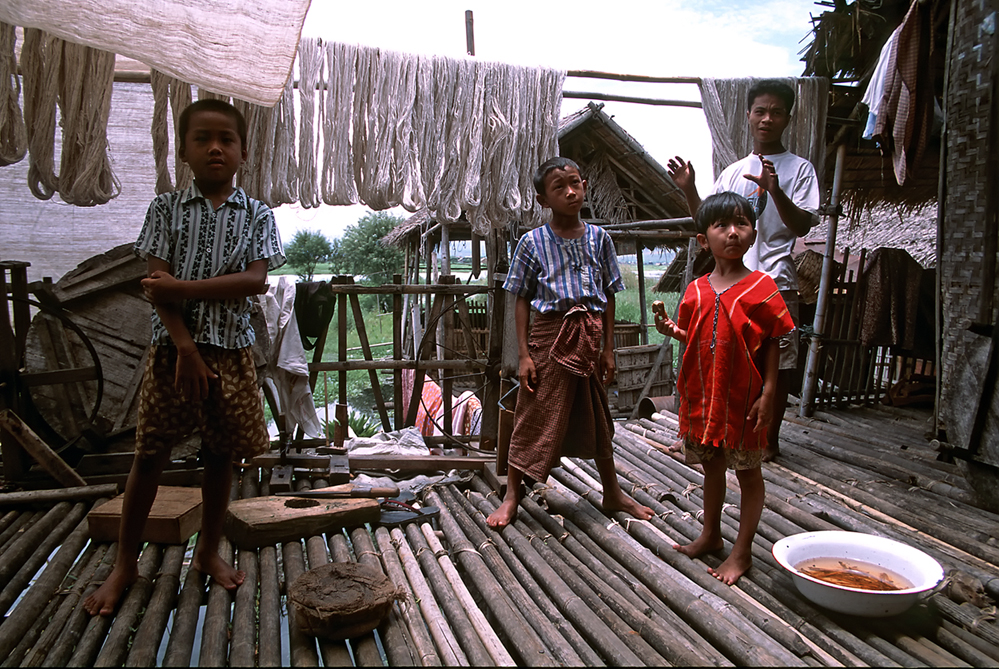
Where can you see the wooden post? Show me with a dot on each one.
(643, 321)
(362, 334)
(12, 337)
(397, 316)
(497, 318)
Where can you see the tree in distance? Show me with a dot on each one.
(306, 251)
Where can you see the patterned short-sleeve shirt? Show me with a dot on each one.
(558, 273)
(201, 242)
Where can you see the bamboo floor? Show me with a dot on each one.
(564, 585)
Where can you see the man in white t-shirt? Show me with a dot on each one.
(784, 190)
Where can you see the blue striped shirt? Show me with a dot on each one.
(558, 273)
(184, 229)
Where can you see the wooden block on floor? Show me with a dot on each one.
(495, 481)
(265, 521)
(281, 476)
(339, 469)
(174, 518)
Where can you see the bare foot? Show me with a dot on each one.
(771, 453)
(731, 569)
(626, 504)
(504, 515)
(701, 545)
(224, 573)
(675, 447)
(104, 600)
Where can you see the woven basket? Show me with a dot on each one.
(341, 600)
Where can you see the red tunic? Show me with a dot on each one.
(720, 375)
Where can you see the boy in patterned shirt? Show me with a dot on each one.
(567, 272)
(208, 249)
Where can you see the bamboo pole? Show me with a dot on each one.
(25, 546)
(969, 618)
(301, 646)
(515, 599)
(243, 641)
(699, 614)
(105, 641)
(444, 639)
(270, 605)
(45, 497)
(180, 646)
(57, 609)
(449, 602)
(65, 640)
(16, 529)
(34, 599)
(7, 520)
(218, 609)
(486, 634)
(399, 645)
(764, 621)
(149, 634)
(701, 653)
(334, 653)
(651, 628)
(134, 604)
(976, 647)
(423, 645)
(49, 460)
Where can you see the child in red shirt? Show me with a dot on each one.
(730, 320)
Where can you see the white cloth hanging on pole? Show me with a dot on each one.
(213, 43)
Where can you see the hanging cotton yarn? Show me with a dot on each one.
(284, 170)
(13, 134)
(406, 184)
(310, 64)
(161, 129)
(248, 176)
(337, 179)
(469, 181)
(39, 67)
(85, 82)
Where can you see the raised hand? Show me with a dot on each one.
(681, 172)
(666, 326)
(767, 179)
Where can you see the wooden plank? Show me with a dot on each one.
(362, 334)
(265, 521)
(173, 519)
(39, 450)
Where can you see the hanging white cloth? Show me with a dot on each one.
(288, 366)
(206, 42)
(876, 87)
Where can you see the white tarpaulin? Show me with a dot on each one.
(242, 48)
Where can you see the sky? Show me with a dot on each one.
(663, 38)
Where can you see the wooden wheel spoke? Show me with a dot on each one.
(59, 376)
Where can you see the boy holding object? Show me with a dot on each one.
(208, 249)
(731, 320)
(567, 272)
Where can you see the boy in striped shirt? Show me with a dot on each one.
(566, 271)
(208, 249)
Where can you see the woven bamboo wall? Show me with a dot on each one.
(967, 103)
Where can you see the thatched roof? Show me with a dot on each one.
(626, 184)
(887, 226)
(846, 42)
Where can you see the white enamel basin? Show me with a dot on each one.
(910, 563)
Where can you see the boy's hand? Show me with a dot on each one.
(681, 172)
(193, 376)
(761, 412)
(161, 288)
(767, 180)
(527, 373)
(606, 367)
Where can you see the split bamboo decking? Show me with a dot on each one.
(564, 585)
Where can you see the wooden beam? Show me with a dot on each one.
(39, 450)
(422, 463)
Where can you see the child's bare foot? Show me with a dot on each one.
(732, 568)
(701, 545)
(504, 515)
(622, 502)
(675, 447)
(104, 600)
(224, 573)
(770, 453)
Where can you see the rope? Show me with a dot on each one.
(310, 66)
(39, 67)
(13, 134)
